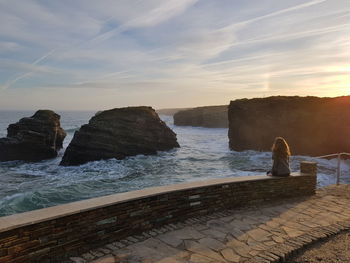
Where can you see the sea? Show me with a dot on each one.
(204, 154)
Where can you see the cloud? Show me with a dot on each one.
(17, 66)
(9, 46)
(10, 82)
(166, 10)
(28, 68)
(216, 49)
(278, 13)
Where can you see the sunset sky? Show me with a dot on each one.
(93, 55)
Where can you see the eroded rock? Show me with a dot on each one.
(119, 133)
(311, 125)
(33, 138)
(209, 117)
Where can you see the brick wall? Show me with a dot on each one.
(51, 234)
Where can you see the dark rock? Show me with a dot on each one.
(119, 133)
(33, 138)
(209, 117)
(311, 125)
(170, 112)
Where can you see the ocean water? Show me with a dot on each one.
(204, 154)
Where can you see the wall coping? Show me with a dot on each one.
(50, 213)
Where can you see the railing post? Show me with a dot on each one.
(338, 168)
(308, 168)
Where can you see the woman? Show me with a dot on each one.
(280, 157)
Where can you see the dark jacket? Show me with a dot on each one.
(280, 166)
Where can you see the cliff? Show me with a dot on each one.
(209, 117)
(170, 112)
(119, 133)
(311, 125)
(33, 138)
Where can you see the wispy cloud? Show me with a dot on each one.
(10, 82)
(8, 46)
(165, 11)
(154, 51)
(30, 69)
(278, 13)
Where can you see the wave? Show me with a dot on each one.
(71, 130)
(203, 154)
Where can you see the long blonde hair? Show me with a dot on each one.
(280, 148)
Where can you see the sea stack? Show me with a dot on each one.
(33, 138)
(208, 117)
(118, 133)
(311, 125)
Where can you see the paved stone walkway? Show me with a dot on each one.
(265, 233)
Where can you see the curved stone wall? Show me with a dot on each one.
(51, 234)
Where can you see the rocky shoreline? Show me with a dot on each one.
(312, 126)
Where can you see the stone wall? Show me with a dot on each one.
(51, 234)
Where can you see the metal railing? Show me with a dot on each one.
(338, 162)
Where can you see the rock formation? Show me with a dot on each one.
(170, 112)
(209, 117)
(119, 133)
(311, 125)
(33, 138)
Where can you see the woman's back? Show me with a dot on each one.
(280, 156)
(280, 166)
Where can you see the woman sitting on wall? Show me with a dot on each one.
(280, 157)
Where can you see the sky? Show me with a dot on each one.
(95, 55)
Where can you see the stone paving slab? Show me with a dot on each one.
(266, 233)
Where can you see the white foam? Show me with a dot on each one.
(204, 154)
